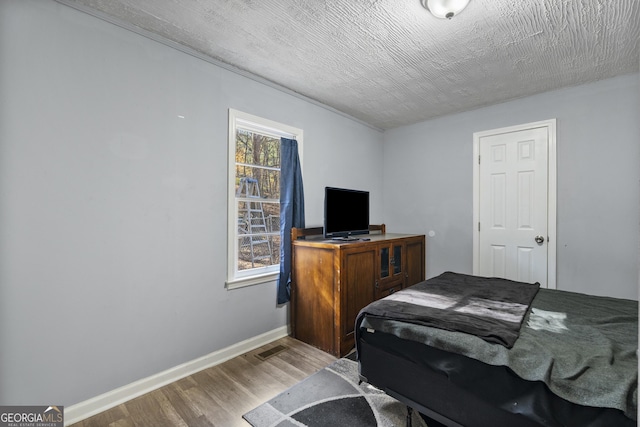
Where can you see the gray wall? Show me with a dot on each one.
(428, 184)
(113, 230)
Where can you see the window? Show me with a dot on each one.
(254, 198)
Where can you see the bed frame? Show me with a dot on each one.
(410, 383)
(456, 391)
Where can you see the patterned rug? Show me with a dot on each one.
(332, 397)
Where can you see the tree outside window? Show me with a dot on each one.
(254, 198)
(257, 189)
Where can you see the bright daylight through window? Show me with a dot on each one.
(254, 198)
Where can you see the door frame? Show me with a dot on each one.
(550, 125)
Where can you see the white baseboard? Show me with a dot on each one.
(95, 405)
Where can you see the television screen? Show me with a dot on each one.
(346, 212)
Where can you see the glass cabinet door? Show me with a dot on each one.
(391, 262)
(384, 262)
(397, 259)
(392, 268)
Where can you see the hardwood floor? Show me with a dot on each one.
(218, 396)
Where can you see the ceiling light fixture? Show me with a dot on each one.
(444, 8)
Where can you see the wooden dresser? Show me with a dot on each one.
(333, 280)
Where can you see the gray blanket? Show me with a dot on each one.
(489, 308)
(584, 348)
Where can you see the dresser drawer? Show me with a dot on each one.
(386, 292)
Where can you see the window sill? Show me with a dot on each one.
(252, 280)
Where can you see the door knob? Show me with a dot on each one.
(539, 240)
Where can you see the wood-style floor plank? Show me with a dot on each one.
(220, 395)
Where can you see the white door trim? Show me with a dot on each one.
(551, 192)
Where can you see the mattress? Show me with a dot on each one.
(582, 348)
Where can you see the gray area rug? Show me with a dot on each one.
(332, 397)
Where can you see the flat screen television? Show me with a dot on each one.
(346, 212)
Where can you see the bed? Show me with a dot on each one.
(473, 351)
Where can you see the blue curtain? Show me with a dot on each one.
(291, 211)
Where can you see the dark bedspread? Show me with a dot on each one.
(583, 347)
(489, 308)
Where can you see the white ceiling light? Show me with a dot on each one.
(445, 8)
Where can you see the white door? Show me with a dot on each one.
(513, 237)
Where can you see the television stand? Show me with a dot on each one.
(333, 280)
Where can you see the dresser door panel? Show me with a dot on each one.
(358, 286)
(314, 305)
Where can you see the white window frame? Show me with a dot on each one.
(235, 278)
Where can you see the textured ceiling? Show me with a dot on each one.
(389, 62)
